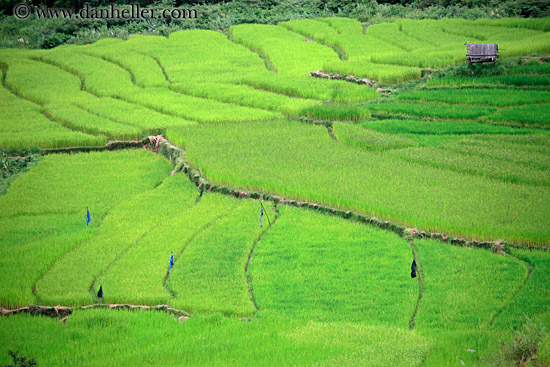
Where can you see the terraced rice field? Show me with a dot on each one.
(319, 282)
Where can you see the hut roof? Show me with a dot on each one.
(482, 49)
(482, 52)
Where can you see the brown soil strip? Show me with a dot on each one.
(63, 312)
(347, 78)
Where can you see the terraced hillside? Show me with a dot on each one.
(293, 206)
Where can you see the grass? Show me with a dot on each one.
(464, 288)
(123, 337)
(210, 275)
(42, 83)
(490, 97)
(532, 300)
(469, 158)
(528, 150)
(79, 119)
(245, 95)
(316, 267)
(502, 81)
(424, 127)
(304, 87)
(144, 68)
(338, 112)
(43, 212)
(469, 162)
(384, 73)
(131, 114)
(328, 172)
(433, 110)
(526, 115)
(102, 78)
(368, 139)
(74, 275)
(277, 43)
(149, 256)
(24, 126)
(194, 108)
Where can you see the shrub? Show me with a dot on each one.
(522, 348)
(20, 361)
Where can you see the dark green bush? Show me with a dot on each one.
(20, 361)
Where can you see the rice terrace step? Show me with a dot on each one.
(286, 183)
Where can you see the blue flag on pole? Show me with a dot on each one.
(171, 260)
(261, 215)
(88, 219)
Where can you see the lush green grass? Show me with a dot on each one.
(72, 277)
(102, 78)
(491, 97)
(527, 150)
(433, 110)
(368, 139)
(503, 81)
(127, 338)
(305, 87)
(194, 108)
(533, 300)
(527, 115)
(463, 290)
(143, 68)
(532, 67)
(210, 274)
(277, 43)
(358, 47)
(541, 24)
(79, 119)
(326, 171)
(328, 291)
(24, 125)
(317, 267)
(199, 55)
(382, 72)
(43, 213)
(469, 162)
(423, 127)
(149, 256)
(131, 114)
(245, 95)
(42, 83)
(338, 112)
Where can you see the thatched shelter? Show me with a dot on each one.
(482, 52)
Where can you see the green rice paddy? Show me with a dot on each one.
(466, 156)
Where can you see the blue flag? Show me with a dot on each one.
(171, 260)
(261, 215)
(88, 219)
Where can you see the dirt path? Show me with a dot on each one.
(64, 312)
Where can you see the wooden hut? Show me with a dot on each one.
(482, 52)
